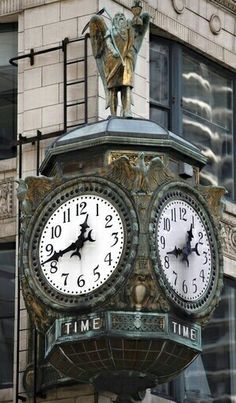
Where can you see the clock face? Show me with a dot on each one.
(184, 247)
(81, 244)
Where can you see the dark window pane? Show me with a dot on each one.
(159, 73)
(159, 116)
(8, 91)
(7, 290)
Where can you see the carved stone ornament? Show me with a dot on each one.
(228, 237)
(179, 6)
(215, 24)
(6, 198)
(229, 5)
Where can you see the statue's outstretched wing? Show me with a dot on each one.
(141, 30)
(98, 30)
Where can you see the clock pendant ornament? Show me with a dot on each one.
(185, 249)
(82, 241)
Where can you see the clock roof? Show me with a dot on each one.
(134, 134)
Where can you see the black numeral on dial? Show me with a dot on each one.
(55, 232)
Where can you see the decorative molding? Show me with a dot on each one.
(229, 5)
(215, 24)
(228, 237)
(6, 198)
(179, 6)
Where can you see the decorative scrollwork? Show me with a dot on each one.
(6, 198)
(228, 237)
(39, 314)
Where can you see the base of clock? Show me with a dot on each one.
(122, 352)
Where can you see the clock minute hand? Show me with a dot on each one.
(82, 238)
(187, 249)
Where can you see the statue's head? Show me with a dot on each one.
(119, 21)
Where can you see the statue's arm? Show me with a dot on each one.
(110, 45)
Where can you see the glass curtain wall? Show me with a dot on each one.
(194, 98)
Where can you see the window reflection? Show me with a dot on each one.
(207, 119)
(212, 376)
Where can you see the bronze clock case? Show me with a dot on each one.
(166, 193)
(30, 252)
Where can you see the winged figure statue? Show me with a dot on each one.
(115, 49)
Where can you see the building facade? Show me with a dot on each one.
(185, 81)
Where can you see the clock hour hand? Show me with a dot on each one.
(176, 252)
(77, 245)
(56, 255)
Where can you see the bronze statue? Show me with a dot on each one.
(115, 50)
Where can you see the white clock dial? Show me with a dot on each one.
(184, 249)
(81, 244)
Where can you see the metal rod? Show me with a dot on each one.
(38, 151)
(31, 140)
(75, 103)
(75, 61)
(64, 48)
(75, 82)
(35, 365)
(86, 78)
(18, 287)
(32, 54)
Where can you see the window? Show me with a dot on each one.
(8, 91)
(193, 97)
(7, 290)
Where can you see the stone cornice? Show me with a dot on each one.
(8, 7)
(229, 5)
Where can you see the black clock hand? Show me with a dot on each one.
(176, 252)
(82, 239)
(78, 244)
(187, 250)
